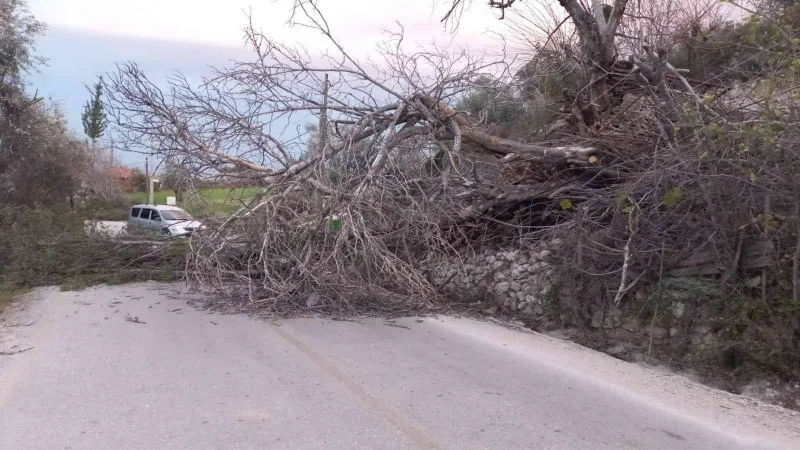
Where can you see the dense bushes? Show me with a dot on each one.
(51, 181)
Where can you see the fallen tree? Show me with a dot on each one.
(396, 173)
(397, 176)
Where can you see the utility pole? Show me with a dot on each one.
(322, 136)
(149, 181)
(150, 191)
(323, 118)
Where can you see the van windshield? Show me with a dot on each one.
(175, 214)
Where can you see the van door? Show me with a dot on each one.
(155, 220)
(144, 218)
(133, 216)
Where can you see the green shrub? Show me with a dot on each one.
(8, 293)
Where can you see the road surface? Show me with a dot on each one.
(110, 227)
(89, 375)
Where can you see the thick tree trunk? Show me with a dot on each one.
(597, 33)
(796, 259)
(521, 150)
(469, 133)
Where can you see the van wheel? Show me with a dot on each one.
(165, 232)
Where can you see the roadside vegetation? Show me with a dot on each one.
(9, 293)
(53, 246)
(52, 181)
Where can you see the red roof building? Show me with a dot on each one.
(124, 175)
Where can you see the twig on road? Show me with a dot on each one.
(342, 319)
(511, 326)
(396, 325)
(134, 319)
(15, 351)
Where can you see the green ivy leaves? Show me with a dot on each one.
(672, 197)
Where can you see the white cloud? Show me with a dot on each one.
(356, 23)
(194, 20)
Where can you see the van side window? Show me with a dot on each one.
(154, 215)
(145, 213)
(135, 212)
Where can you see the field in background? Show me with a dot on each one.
(208, 201)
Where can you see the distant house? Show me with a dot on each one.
(124, 176)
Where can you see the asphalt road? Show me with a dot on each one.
(188, 379)
(110, 227)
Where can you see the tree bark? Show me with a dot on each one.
(493, 144)
(596, 35)
(767, 214)
(796, 261)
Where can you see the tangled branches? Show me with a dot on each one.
(389, 176)
(354, 215)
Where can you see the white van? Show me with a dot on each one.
(170, 220)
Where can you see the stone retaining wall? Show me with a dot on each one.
(520, 281)
(517, 279)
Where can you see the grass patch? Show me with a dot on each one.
(209, 201)
(81, 282)
(75, 284)
(8, 293)
(159, 197)
(177, 249)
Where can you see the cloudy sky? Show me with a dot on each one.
(88, 37)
